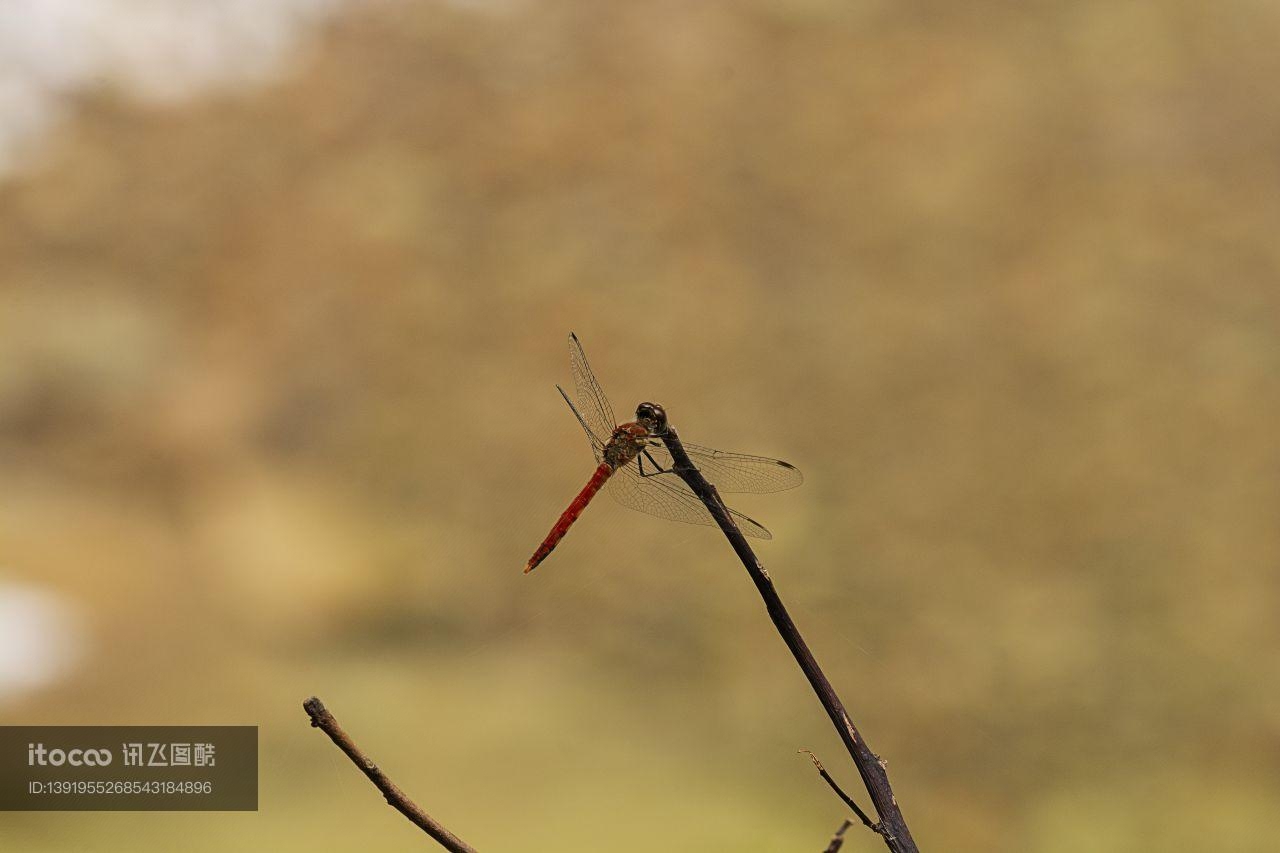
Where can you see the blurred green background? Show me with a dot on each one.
(277, 415)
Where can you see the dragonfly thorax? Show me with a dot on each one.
(625, 444)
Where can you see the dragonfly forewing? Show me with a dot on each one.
(597, 442)
(593, 408)
(729, 472)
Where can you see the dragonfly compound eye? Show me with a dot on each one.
(652, 413)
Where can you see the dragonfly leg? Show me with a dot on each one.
(656, 469)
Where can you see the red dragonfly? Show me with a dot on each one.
(632, 459)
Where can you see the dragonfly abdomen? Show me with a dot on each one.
(570, 515)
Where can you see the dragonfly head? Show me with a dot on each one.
(652, 417)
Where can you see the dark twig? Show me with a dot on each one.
(893, 827)
(837, 840)
(323, 720)
(848, 801)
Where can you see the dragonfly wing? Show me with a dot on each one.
(666, 496)
(730, 472)
(597, 443)
(593, 407)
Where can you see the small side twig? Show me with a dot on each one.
(837, 840)
(323, 720)
(848, 801)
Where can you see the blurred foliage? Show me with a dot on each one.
(276, 411)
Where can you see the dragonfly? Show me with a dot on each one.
(640, 472)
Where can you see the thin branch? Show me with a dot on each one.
(893, 826)
(323, 720)
(848, 801)
(837, 840)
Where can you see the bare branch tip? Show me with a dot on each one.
(814, 759)
(315, 709)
